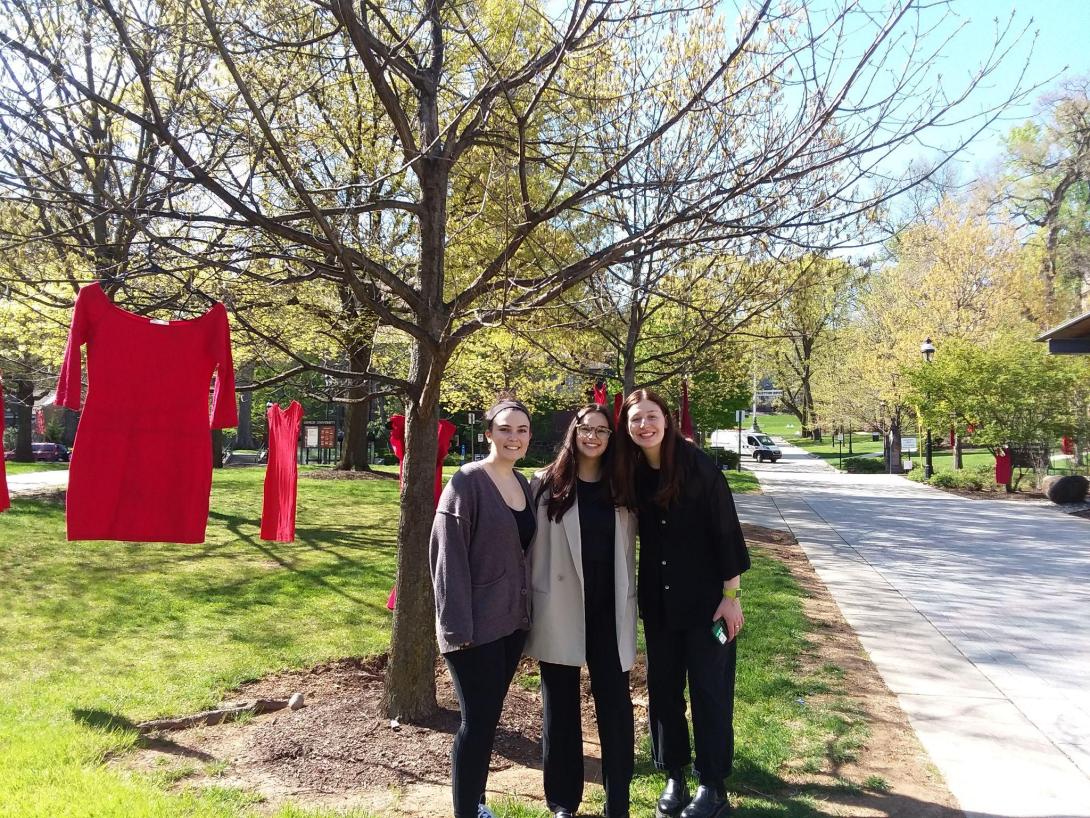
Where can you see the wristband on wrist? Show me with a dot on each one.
(732, 593)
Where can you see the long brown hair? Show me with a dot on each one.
(561, 475)
(629, 456)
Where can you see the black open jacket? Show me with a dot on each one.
(690, 548)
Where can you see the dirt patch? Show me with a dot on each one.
(340, 752)
(339, 474)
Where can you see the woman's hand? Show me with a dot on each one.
(730, 611)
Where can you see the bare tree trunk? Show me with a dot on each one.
(244, 436)
(354, 450)
(410, 675)
(217, 448)
(958, 447)
(24, 412)
(895, 446)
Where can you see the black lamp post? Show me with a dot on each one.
(927, 349)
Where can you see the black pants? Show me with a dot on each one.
(673, 655)
(560, 692)
(482, 674)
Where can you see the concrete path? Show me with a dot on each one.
(37, 482)
(975, 612)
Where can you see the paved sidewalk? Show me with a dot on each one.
(975, 612)
(37, 482)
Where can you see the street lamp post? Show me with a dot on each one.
(927, 349)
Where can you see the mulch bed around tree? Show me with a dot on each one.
(340, 474)
(340, 752)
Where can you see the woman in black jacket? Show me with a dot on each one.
(692, 555)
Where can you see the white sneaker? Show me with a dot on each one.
(484, 812)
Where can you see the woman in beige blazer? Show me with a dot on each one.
(584, 612)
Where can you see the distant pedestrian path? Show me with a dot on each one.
(976, 613)
(37, 482)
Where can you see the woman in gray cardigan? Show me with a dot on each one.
(584, 603)
(483, 526)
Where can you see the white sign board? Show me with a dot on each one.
(312, 437)
(908, 444)
(480, 438)
(739, 416)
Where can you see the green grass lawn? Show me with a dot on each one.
(26, 468)
(97, 636)
(828, 449)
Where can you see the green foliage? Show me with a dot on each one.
(1009, 388)
(864, 465)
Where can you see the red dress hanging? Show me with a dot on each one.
(5, 501)
(282, 473)
(142, 464)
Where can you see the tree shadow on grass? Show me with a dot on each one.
(113, 723)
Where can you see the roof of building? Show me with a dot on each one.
(1076, 328)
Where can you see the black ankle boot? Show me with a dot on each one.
(709, 802)
(674, 797)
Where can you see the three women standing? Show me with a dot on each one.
(584, 612)
(692, 555)
(483, 526)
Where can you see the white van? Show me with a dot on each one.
(755, 444)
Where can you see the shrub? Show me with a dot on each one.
(724, 458)
(452, 460)
(389, 459)
(864, 465)
(945, 480)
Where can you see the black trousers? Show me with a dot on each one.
(562, 743)
(482, 675)
(694, 653)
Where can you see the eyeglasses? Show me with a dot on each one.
(600, 432)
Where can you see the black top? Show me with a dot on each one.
(597, 521)
(527, 525)
(688, 549)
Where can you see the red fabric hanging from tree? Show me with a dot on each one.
(685, 422)
(282, 473)
(445, 432)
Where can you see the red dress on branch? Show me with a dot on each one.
(5, 501)
(142, 464)
(445, 433)
(282, 473)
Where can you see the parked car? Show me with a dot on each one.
(46, 452)
(51, 452)
(755, 444)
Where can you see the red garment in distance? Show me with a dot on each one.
(282, 473)
(5, 501)
(142, 465)
(445, 433)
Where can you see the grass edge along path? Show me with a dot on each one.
(99, 636)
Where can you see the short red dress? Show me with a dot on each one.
(282, 473)
(141, 467)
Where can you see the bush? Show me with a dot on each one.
(724, 458)
(452, 460)
(945, 480)
(980, 478)
(388, 459)
(864, 465)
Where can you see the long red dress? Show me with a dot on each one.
(142, 464)
(5, 501)
(282, 473)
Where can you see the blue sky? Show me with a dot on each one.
(1062, 47)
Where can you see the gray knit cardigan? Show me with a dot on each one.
(478, 568)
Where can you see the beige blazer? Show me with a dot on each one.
(558, 624)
